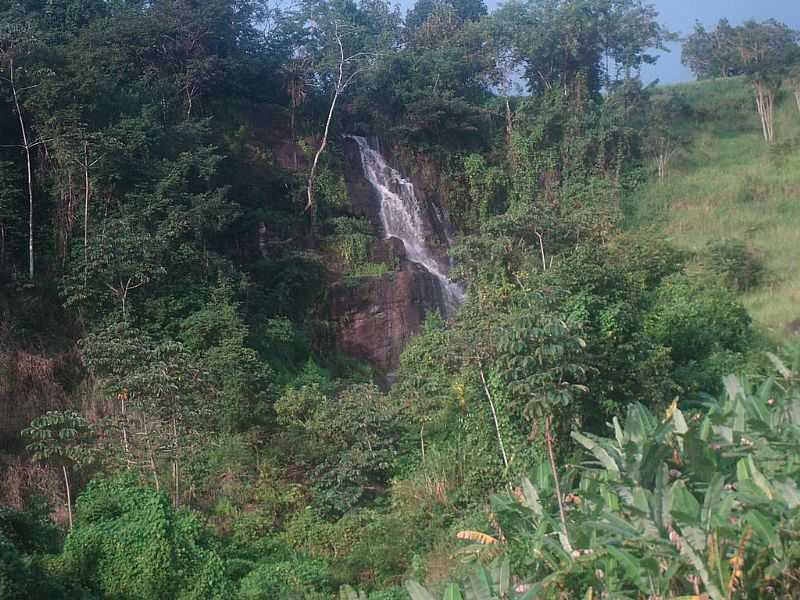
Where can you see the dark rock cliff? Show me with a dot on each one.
(375, 317)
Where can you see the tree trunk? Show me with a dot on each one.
(69, 495)
(311, 206)
(150, 454)
(494, 416)
(797, 97)
(125, 443)
(86, 193)
(765, 103)
(509, 125)
(175, 462)
(27, 147)
(548, 434)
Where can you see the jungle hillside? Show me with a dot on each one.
(328, 300)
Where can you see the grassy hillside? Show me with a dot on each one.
(726, 184)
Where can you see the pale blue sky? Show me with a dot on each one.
(680, 16)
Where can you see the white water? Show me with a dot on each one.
(402, 217)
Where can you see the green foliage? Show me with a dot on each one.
(735, 264)
(61, 436)
(168, 215)
(348, 439)
(129, 542)
(217, 334)
(696, 320)
(763, 51)
(296, 578)
(26, 537)
(667, 501)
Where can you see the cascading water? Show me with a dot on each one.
(402, 217)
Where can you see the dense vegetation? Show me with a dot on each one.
(176, 420)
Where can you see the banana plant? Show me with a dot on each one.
(705, 505)
(484, 583)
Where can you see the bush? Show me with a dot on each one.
(737, 266)
(696, 319)
(299, 578)
(129, 543)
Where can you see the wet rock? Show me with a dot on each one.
(376, 317)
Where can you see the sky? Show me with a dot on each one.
(680, 15)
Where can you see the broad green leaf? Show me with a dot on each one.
(631, 566)
(504, 578)
(598, 451)
(711, 500)
(417, 592)
(788, 492)
(531, 496)
(479, 581)
(452, 593)
(679, 422)
(785, 372)
(683, 505)
(764, 528)
(759, 479)
(697, 562)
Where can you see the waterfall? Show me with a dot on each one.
(403, 218)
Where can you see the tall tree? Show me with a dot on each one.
(17, 73)
(761, 51)
(710, 53)
(344, 39)
(62, 437)
(576, 45)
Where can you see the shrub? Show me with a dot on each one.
(129, 543)
(737, 266)
(299, 578)
(695, 319)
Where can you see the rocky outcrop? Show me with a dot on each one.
(376, 317)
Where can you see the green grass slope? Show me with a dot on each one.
(726, 184)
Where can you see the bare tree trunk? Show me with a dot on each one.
(176, 462)
(662, 166)
(125, 444)
(765, 102)
(797, 97)
(422, 440)
(293, 130)
(494, 415)
(311, 206)
(85, 212)
(26, 145)
(548, 434)
(509, 125)
(150, 454)
(69, 495)
(342, 82)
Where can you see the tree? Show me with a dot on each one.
(465, 10)
(579, 45)
(794, 84)
(129, 542)
(12, 51)
(709, 53)
(344, 41)
(63, 437)
(762, 52)
(766, 51)
(661, 142)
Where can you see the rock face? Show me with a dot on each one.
(375, 317)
